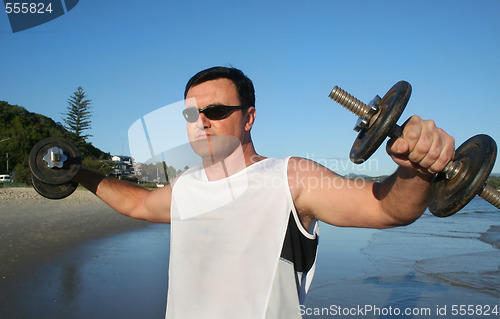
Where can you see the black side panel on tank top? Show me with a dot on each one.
(297, 248)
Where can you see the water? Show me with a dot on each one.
(428, 268)
(434, 265)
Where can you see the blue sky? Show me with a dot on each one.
(132, 58)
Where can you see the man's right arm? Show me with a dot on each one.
(129, 199)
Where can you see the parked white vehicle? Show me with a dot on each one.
(4, 178)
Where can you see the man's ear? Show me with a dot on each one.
(250, 118)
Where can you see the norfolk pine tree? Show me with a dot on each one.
(78, 114)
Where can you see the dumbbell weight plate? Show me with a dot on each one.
(55, 176)
(391, 107)
(477, 155)
(53, 191)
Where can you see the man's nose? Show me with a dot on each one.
(202, 122)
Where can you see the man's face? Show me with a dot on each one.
(216, 138)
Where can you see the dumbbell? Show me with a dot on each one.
(463, 178)
(53, 163)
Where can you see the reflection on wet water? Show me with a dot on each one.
(122, 276)
(69, 282)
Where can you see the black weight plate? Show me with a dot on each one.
(477, 155)
(391, 107)
(53, 191)
(54, 176)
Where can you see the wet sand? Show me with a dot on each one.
(34, 229)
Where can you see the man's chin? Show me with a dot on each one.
(215, 148)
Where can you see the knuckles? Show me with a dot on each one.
(430, 147)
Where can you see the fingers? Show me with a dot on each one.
(439, 154)
(423, 145)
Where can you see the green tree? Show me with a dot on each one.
(101, 166)
(78, 114)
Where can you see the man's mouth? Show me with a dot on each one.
(203, 136)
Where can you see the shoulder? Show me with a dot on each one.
(304, 179)
(300, 164)
(305, 175)
(301, 172)
(300, 168)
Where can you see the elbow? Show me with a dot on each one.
(399, 219)
(402, 222)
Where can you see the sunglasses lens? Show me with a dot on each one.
(216, 112)
(191, 114)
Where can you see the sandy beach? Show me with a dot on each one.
(34, 229)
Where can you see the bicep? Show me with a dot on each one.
(156, 205)
(321, 194)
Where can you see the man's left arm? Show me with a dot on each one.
(423, 151)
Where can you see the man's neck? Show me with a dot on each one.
(242, 157)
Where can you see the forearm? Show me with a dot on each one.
(122, 196)
(404, 195)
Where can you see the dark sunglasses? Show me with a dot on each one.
(212, 112)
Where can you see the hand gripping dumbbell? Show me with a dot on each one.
(455, 186)
(53, 163)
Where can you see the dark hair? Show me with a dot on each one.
(244, 85)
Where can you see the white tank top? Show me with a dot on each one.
(226, 240)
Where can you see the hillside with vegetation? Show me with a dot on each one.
(20, 130)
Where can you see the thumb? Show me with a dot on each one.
(398, 146)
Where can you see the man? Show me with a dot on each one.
(244, 227)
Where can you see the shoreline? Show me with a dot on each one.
(490, 236)
(34, 229)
